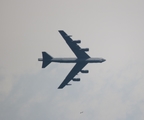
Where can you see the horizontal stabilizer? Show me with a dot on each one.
(46, 59)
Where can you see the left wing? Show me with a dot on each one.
(72, 74)
(73, 46)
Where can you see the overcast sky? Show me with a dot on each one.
(111, 29)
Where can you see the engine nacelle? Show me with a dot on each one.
(68, 84)
(77, 41)
(85, 49)
(84, 71)
(69, 36)
(76, 79)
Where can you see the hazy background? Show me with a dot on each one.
(112, 29)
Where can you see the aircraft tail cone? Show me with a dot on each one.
(46, 59)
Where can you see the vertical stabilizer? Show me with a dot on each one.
(46, 59)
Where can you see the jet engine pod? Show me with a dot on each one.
(76, 79)
(84, 71)
(68, 84)
(85, 49)
(77, 41)
(68, 35)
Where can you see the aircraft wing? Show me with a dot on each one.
(78, 67)
(73, 45)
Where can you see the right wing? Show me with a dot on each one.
(74, 47)
(78, 67)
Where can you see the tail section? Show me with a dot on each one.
(46, 59)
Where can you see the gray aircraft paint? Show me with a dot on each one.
(74, 60)
(81, 60)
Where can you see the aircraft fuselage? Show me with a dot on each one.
(75, 60)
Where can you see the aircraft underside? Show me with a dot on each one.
(81, 61)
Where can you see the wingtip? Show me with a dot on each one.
(59, 88)
(60, 30)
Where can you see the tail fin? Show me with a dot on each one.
(46, 59)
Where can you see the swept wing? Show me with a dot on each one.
(72, 73)
(74, 47)
(79, 53)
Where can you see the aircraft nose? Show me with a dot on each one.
(104, 60)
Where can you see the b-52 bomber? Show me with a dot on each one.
(82, 59)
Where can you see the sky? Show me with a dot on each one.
(111, 29)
